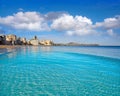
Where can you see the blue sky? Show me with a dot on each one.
(83, 21)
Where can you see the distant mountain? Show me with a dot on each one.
(78, 44)
(75, 44)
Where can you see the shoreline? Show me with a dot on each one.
(9, 46)
(16, 46)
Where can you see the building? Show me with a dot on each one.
(24, 41)
(10, 39)
(2, 39)
(34, 41)
(46, 42)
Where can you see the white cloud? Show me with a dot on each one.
(20, 9)
(64, 22)
(109, 23)
(60, 21)
(77, 25)
(53, 15)
(110, 32)
(31, 21)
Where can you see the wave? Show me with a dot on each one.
(91, 55)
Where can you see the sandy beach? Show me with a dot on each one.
(9, 46)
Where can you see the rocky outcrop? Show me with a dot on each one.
(46, 42)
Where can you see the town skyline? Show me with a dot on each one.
(86, 21)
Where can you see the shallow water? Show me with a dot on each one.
(60, 71)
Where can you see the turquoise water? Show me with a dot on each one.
(60, 71)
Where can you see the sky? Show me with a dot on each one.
(82, 21)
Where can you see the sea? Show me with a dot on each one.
(60, 71)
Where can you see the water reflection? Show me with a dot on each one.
(34, 48)
(11, 53)
(8, 52)
(103, 51)
(46, 48)
(39, 48)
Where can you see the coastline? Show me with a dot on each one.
(16, 46)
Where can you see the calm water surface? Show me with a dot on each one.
(60, 71)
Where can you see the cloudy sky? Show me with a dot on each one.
(83, 21)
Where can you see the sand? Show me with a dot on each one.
(9, 46)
